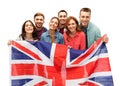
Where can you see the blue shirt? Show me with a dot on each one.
(58, 37)
(93, 33)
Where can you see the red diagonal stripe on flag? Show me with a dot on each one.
(26, 50)
(87, 83)
(86, 70)
(41, 83)
(91, 49)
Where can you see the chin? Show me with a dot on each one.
(84, 25)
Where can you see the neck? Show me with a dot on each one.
(61, 25)
(72, 34)
(28, 37)
(38, 28)
(52, 32)
(83, 27)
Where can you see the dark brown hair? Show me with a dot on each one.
(23, 33)
(86, 10)
(62, 11)
(39, 14)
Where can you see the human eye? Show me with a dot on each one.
(87, 17)
(60, 16)
(83, 16)
(31, 25)
(41, 19)
(64, 16)
(56, 23)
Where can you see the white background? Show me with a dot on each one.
(105, 14)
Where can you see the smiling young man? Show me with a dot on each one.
(39, 21)
(62, 15)
(91, 31)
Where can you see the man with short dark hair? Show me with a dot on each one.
(62, 15)
(39, 21)
(91, 30)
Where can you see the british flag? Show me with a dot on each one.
(44, 64)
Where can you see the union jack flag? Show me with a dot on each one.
(44, 64)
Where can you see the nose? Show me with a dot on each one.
(29, 26)
(39, 20)
(84, 18)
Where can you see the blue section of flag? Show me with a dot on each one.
(100, 50)
(20, 82)
(16, 55)
(105, 81)
(75, 53)
(44, 47)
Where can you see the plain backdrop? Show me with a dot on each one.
(105, 14)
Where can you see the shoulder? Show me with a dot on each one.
(65, 34)
(44, 28)
(93, 26)
(81, 33)
(59, 34)
(44, 33)
(19, 38)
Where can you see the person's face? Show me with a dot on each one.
(53, 25)
(62, 17)
(29, 28)
(72, 26)
(84, 18)
(39, 21)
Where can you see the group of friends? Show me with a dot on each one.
(63, 29)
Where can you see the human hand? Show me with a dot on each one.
(69, 46)
(106, 39)
(9, 42)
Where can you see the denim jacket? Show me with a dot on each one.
(58, 37)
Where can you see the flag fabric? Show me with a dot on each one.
(44, 64)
